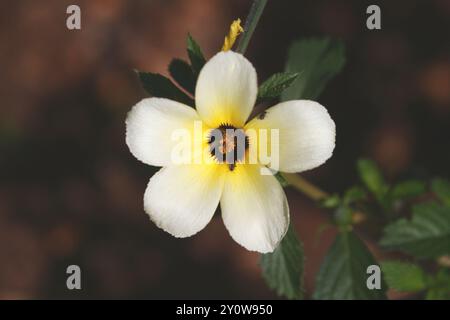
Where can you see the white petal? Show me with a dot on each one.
(306, 133)
(182, 199)
(150, 125)
(226, 90)
(254, 208)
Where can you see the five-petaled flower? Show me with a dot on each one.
(182, 198)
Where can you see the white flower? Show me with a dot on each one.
(182, 198)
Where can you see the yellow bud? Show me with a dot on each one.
(235, 30)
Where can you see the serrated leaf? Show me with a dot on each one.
(407, 189)
(343, 274)
(181, 72)
(402, 276)
(276, 84)
(159, 86)
(372, 177)
(318, 61)
(283, 268)
(441, 188)
(426, 235)
(195, 55)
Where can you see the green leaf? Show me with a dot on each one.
(195, 55)
(442, 189)
(343, 274)
(343, 216)
(253, 17)
(159, 86)
(439, 286)
(403, 276)
(407, 189)
(439, 293)
(274, 86)
(331, 202)
(318, 61)
(354, 194)
(181, 72)
(283, 268)
(426, 235)
(371, 176)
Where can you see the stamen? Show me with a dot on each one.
(227, 144)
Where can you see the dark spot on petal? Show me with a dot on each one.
(262, 115)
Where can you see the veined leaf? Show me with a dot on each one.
(318, 61)
(283, 268)
(159, 86)
(343, 274)
(181, 72)
(274, 86)
(426, 235)
(195, 55)
(402, 276)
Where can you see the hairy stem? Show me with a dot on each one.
(250, 24)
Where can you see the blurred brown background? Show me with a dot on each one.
(71, 192)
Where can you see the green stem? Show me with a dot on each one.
(250, 24)
(301, 184)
